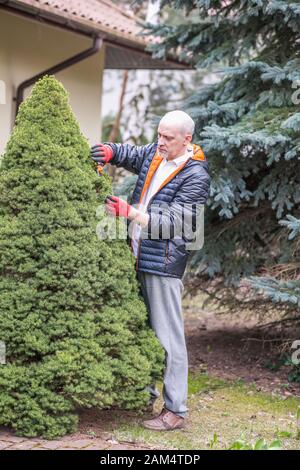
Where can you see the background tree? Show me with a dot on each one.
(249, 125)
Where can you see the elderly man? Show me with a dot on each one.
(172, 173)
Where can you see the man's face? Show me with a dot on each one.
(172, 140)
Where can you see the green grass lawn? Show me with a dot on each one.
(220, 413)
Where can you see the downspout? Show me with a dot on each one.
(97, 44)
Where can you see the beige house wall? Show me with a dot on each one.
(27, 48)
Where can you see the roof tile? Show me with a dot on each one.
(103, 15)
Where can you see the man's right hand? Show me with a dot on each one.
(101, 154)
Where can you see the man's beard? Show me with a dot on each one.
(163, 153)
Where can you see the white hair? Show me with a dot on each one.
(181, 119)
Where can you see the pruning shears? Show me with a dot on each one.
(100, 169)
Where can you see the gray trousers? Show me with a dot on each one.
(162, 296)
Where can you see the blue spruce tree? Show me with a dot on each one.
(248, 123)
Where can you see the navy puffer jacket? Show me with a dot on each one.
(190, 186)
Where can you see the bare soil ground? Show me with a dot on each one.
(232, 348)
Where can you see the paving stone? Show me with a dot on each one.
(77, 441)
(11, 438)
(4, 445)
(98, 445)
(51, 445)
(26, 445)
(78, 444)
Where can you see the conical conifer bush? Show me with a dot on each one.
(73, 322)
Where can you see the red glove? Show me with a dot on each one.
(101, 154)
(116, 206)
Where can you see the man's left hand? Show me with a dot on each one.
(117, 207)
